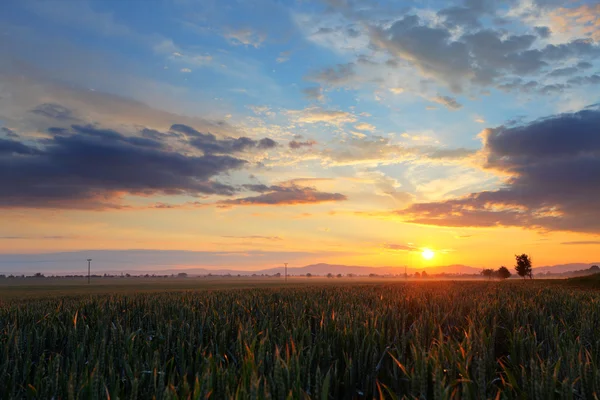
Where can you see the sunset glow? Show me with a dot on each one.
(242, 134)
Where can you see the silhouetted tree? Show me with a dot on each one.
(417, 275)
(330, 275)
(503, 272)
(595, 268)
(523, 266)
(308, 274)
(38, 275)
(277, 275)
(182, 275)
(487, 273)
(424, 274)
(339, 275)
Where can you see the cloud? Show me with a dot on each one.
(543, 31)
(458, 153)
(401, 247)
(363, 126)
(209, 143)
(288, 194)
(552, 167)
(465, 17)
(339, 75)
(313, 115)
(257, 237)
(60, 105)
(377, 150)
(294, 144)
(54, 111)
(12, 147)
(87, 166)
(186, 70)
(283, 57)
(582, 242)
(36, 237)
(559, 72)
(581, 21)
(245, 36)
(449, 102)
(314, 93)
(482, 57)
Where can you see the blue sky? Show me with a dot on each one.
(373, 115)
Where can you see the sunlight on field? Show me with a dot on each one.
(327, 340)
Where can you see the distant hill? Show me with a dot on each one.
(166, 262)
(561, 268)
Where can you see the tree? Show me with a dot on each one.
(182, 275)
(418, 275)
(339, 275)
(277, 275)
(330, 275)
(424, 274)
(595, 268)
(523, 266)
(503, 272)
(308, 274)
(487, 273)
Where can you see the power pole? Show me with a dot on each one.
(89, 260)
(285, 271)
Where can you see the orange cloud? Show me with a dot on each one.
(585, 18)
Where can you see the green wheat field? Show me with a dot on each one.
(393, 340)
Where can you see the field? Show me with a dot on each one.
(323, 339)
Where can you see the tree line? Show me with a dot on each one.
(523, 267)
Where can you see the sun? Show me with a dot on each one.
(427, 254)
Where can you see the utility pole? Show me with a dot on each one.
(285, 271)
(89, 260)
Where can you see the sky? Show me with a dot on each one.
(259, 132)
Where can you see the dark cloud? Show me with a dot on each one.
(553, 164)
(584, 65)
(9, 132)
(54, 111)
(543, 31)
(210, 144)
(87, 166)
(314, 93)
(284, 195)
(559, 72)
(585, 80)
(10, 147)
(298, 145)
(339, 75)
(484, 57)
(460, 16)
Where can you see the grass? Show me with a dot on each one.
(329, 339)
(584, 282)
